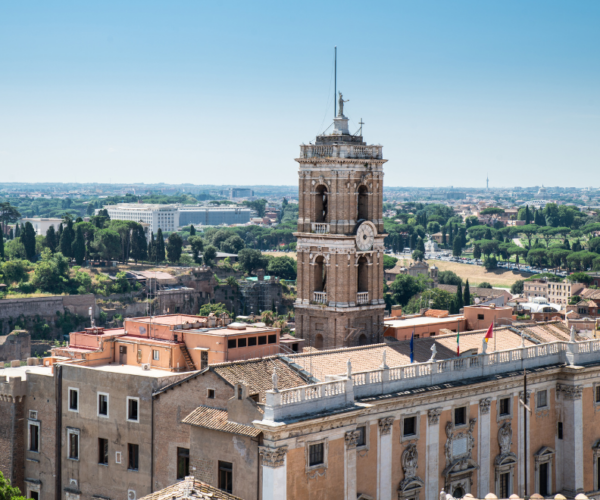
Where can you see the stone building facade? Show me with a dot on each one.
(340, 240)
(17, 345)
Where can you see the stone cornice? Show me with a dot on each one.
(332, 160)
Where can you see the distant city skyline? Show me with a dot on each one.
(203, 93)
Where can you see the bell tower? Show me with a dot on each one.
(340, 240)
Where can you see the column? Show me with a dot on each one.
(432, 473)
(274, 472)
(521, 448)
(573, 438)
(351, 439)
(483, 451)
(384, 459)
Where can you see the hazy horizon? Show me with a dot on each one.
(193, 92)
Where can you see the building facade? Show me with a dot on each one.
(340, 240)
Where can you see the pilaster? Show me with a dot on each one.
(573, 437)
(274, 470)
(483, 452)
(351, 439)
(384, 459)
(432, 470)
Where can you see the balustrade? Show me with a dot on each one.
(320, 228)
(362, 298)
(320, 297)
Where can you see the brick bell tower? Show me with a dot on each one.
(340, 240)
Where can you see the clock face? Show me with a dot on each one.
(365, 237)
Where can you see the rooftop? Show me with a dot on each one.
(22, 371)
(190, 489)
(421, 320)
(132, 370)
(218, 420)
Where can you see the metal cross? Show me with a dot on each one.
(361, 123)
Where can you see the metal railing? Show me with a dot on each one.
(320, 297)
(362, 298)
(320, 227)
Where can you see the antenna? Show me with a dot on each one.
(335, 84)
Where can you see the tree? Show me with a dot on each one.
(404, 288)
(107, 244)
(389, 262)
(492, 211)
(484, 284)
(152, 248)
(476, 251)
(490, 263)
(434, 298)
(78, 250)
(418, 256)
(51, 239)
(197, 245)
(467, 294)
(421, 245)
(413, 241)
(51, 273)
(160, 246)
(174, 246)
(15, 271)
(121, 284)
(580, 278)
(218, 308)
(529, 230)
(8, 492)
(210, 254)
(139, 245)
(283, 267)
(8, 214)
(250, 259)
(517, 287)
(527, 215)
(459, 297)
(433, 227)
(66, 239)
(28, 240)
(1, 246)
(192, 230)
(457, 246)
(233, 244)
(449, 278)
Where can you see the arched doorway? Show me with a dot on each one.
(362, 340)
(319, 341)
(458, 492)
(363, 203)
(320, 204)
(363, 275)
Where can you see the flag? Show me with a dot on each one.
(412, 347)
(490, 333)
(458, 342)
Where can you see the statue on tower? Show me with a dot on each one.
(341, 104)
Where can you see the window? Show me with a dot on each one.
(203, 359)
(242, 342)
(272, 339)
(542, 399)
(34, 495)
(102, 404)
(34, 436)
(480, 316)
(103, 451)
(316, 455)
(504, 407)
(251, 341)
(262, 340)
(504, 485)
(560, 430)
(231, 344)
(73, 399)
(597, 398)
(133, 409)
(73, 444)
(362, 436)
(226, 476)
(211, 394)
(183, 463)
(409, 427)
(133, 453)
(155, 355)
(460, 416)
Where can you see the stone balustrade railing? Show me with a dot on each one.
(385, 380)
(341, 151)
(320, 227)
(320, 297)
(362, 298)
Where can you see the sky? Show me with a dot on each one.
(225, 92)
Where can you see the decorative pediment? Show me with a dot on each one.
(459, 450)
(544, 451)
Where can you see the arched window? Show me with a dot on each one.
(363, 275)
(319, 341)
(320, 275)
(320, 204)
(363, 203)
(362, 340)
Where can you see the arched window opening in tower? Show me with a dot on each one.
(362, 340)
(320, 275)
(321, 204)
(319, 341)
(363, 275)
(363, 203)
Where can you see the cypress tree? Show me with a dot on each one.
(457, 247)
(459, 297)
(527, 215)
(17, 230)
(192, 230)
(152, 248)
(66, 243)
(11, 235)
(421, 245)
(28, 240)
(1, 245)
(78, 247)
(59, 233)
(160, 246)
(51, 239)
(467, 295)
(413, 241)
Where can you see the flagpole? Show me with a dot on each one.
(493, 328)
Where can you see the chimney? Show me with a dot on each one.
(260, 274)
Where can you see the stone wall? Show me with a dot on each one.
(12, 440)
(17, 345)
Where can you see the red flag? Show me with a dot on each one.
(490, 332)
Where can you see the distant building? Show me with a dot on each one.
(213, 216)
(42, 224)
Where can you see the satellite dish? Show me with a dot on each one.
(477, 300)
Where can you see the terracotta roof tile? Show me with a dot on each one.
(365, 358)
(218, 420)
(257, 375)
(191, 489)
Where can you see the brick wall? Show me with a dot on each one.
(12, 438)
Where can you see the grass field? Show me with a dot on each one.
(475, 274)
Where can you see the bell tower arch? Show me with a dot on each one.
(340, 240)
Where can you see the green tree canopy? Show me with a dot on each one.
(283, 267)
(210, 254)
(51, 273)
(449, 278)
(251, 260)
(389, 262)
(174, 247)
(197, 244)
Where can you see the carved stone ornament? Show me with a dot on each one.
(273, 457)
(351, 439)
(505, 438)
(521, 394)
(484, 405)
(459, 460)
(433, 415)
(410, 460)
(385, 425)
(570, 391)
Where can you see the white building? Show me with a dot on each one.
(165, 217)
(42, 224)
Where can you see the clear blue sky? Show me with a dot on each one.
(224, 92)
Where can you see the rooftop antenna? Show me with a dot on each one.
(335, 84)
